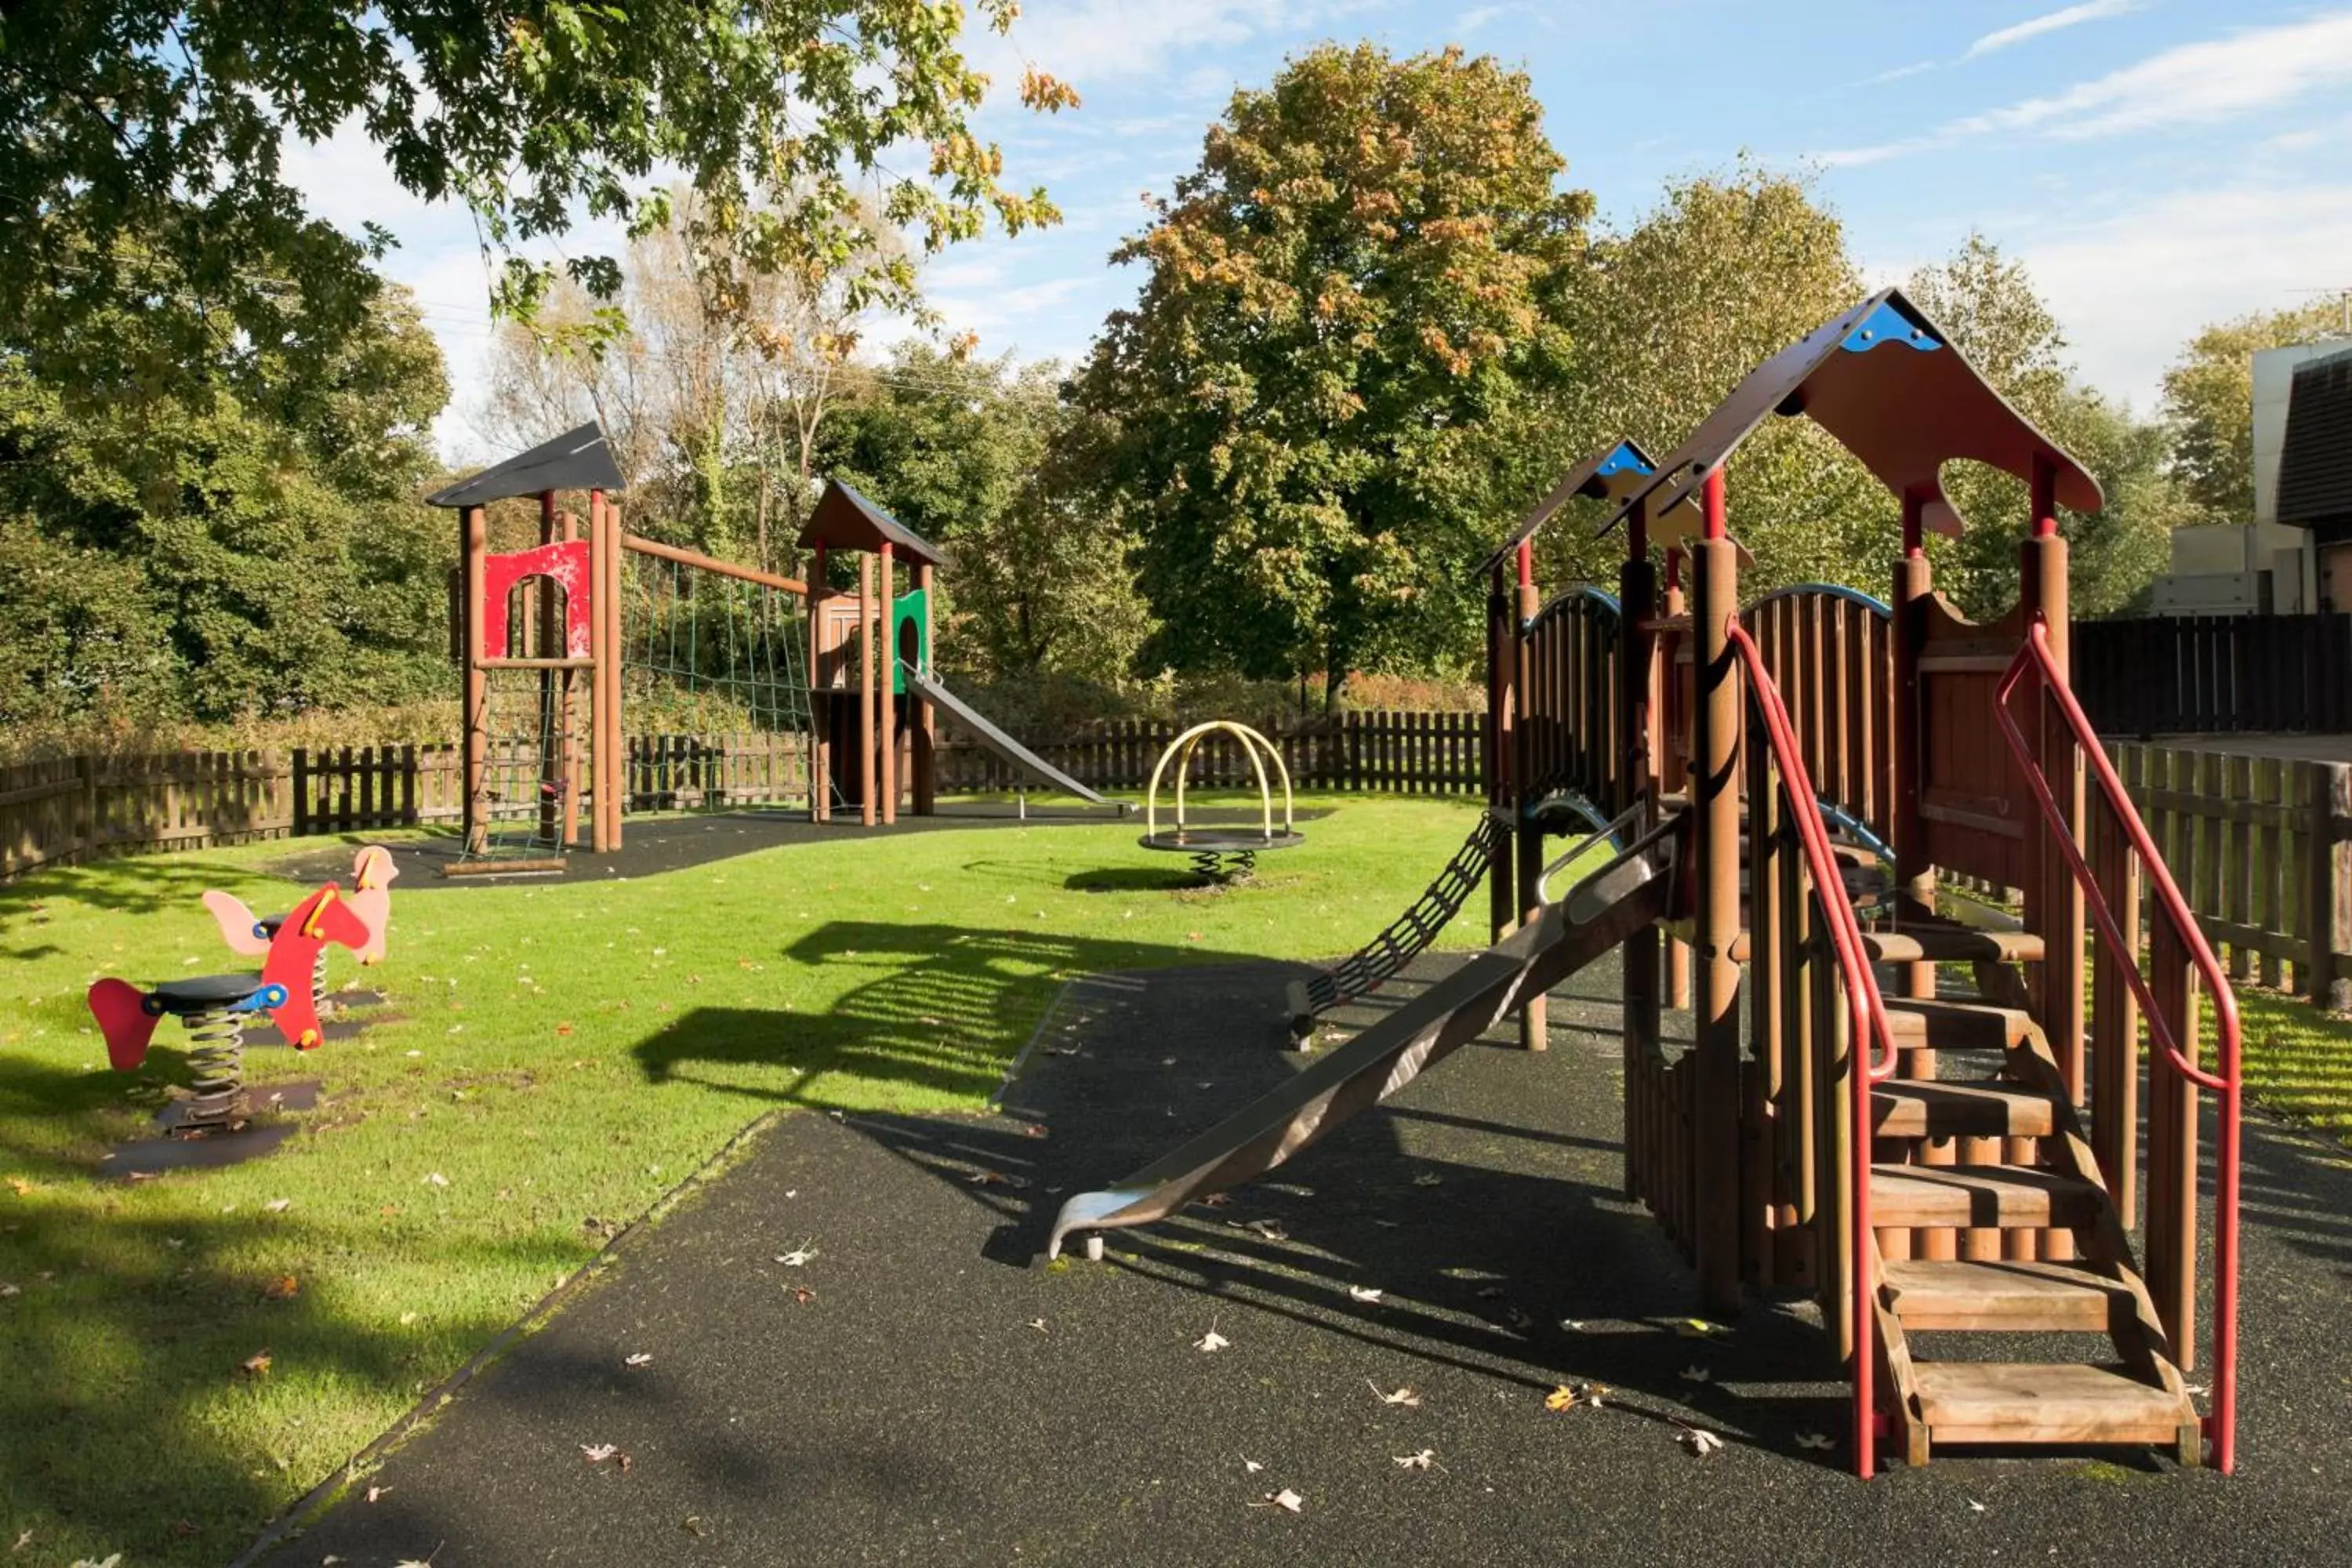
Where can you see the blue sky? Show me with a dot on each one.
(2158, 163)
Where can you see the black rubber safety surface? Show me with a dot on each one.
(940, 1398)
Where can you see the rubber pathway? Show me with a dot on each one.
(938, 1398)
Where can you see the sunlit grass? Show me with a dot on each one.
(563, 1054)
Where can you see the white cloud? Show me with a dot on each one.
(2199, 83)
(2132, 288)
(2050, 22)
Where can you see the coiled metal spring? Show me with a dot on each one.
(217, 1053)
(1225, 865)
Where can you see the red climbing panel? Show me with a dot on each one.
(565, 564)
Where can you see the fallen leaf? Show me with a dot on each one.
(1285, 1499)
(375, 1492)
(23, 1540)
(22, 1188)
(803, 1295)
(1404, 1396)
(597, 1453)
(1363, 1293)
(1700, 1328)
(1974, 1507)
(255, 1365)
(436, 1179)
(278, 1205)
(1815, 1440)
(406, 1319)
(563, 1028)
(1700, 1441)
(798, 1257)
(186, 1529)
(1573, 1325)
(285, 1287)
(1270, 1229)
(113, 1560)
(692, 1524)
(7, 1290)
(1211, 1340)
(1569, 1395)
(1038, 1324)
(1249, 1467)
(1420, 1461)
(642, 1357)
(1697, 1375)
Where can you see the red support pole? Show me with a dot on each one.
(1711, 498)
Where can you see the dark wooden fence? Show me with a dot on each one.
(1394, 754)
(2175, 674)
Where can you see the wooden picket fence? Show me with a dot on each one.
(1387, 752)
(2260, 847)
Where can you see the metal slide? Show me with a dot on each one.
(996, 740)
(1635, 890)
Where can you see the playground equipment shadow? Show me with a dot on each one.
(940, 1396)
(651, 846)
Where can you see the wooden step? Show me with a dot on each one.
(1941, 943)
(2009, 1297)
(2023, 1402)
(1906, 1107)
(1957, 1025)
(2010, 1196)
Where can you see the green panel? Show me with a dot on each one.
(912, 608)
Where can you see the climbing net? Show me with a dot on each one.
(714, 688)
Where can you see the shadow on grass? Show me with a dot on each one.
(935, 1024)
(135, 1414)
(1136, 879)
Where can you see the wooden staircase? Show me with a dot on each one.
(2029, 1246)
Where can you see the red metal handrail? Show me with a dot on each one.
(1866, 1018)
(2035, 656)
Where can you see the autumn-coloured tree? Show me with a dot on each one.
(1344, 305)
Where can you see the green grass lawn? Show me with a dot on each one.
(565, 1055)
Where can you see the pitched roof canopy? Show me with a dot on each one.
(2314, 483)
(1614, 473)
(844, 520)
(1889, 384)
(577, 460)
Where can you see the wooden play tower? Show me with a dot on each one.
(1929, 1112)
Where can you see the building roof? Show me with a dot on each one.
(578, 459)
(1613, 473)
(2315, 462)
(844, 520)
(1890, 387)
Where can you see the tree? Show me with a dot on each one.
(713, 400)
(144, 144)
(1727, 270)
(1989, 305)
(2208, 405)
(170, 556)
(1344, 307)
(959, 450)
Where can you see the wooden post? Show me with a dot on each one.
(473, 543)
(925, 721)
(2324, 884)
(820, 592)
(867, 809)
(1535, 1026)
(1636, 599)
(1714, 812)
(886, 697)
(549, 634)
(2053, 905)
(1676, 603)
(1501, 656)
(610, 765)
(568, 531)
(1912, 587)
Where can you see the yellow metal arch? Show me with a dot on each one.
(1179, 752)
